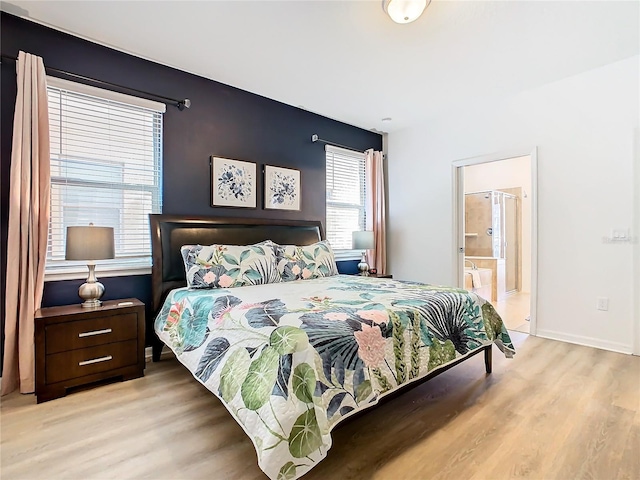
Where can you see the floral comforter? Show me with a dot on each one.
(291, 360)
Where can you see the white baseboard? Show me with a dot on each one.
(586, 341)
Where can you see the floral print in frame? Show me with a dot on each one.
(281, 188)
(233, 183)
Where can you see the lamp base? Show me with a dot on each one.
(91, 292)
(363, 266)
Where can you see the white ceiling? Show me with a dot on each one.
(348, 61)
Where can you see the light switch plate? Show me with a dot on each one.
(620, 234)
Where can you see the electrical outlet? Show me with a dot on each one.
(603, 304)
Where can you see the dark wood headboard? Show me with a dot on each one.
(170, 232)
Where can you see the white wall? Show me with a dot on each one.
(583, 127)
(513, 172)
(636, 233)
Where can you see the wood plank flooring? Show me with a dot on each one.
(514, 310)
(555, 411)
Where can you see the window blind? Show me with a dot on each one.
(345, 198)
(106, 158)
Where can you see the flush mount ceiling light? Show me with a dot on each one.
(404, 11)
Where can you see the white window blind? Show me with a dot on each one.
(106, 158)
(345, 198)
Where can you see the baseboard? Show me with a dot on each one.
(586, 341)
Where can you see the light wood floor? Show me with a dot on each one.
(556, 411)
(514, 310)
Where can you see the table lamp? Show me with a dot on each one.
(90, 243)
(363, 241)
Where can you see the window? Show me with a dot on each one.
(345, 199)
(106, 157)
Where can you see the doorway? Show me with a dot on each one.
(495, 233)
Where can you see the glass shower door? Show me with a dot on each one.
(497, 224)
(511, 242)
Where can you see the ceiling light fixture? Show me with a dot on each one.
(404, 11)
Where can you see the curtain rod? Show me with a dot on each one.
(315, 138)
(181, 104)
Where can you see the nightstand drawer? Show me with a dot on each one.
(87, 333)
(86, 361)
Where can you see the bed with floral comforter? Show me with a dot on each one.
(291, 360)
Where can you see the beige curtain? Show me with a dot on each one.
(28, 223)
(375, 208)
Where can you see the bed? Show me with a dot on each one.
(291, 360)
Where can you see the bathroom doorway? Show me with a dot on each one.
(494, 204)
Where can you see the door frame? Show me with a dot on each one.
(636, 246)
(457, 170)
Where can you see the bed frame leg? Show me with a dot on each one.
(488, 359)
(156, 348)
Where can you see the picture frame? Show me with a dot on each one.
(233, 183)
(282, 189)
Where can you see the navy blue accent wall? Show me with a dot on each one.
(222, 120)
(65, 292)
(348, 267)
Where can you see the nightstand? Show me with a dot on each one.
(380, 275)
(77, 346)
(376, 275)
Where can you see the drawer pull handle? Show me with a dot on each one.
(95, 332)
(95, 360)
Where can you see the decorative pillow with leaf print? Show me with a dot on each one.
(226, 266)
(303, 263)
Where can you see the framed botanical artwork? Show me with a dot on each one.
(281, 188)
(233, 183)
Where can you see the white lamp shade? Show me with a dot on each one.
(404, 11)
(89, 243)
(363, 240)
